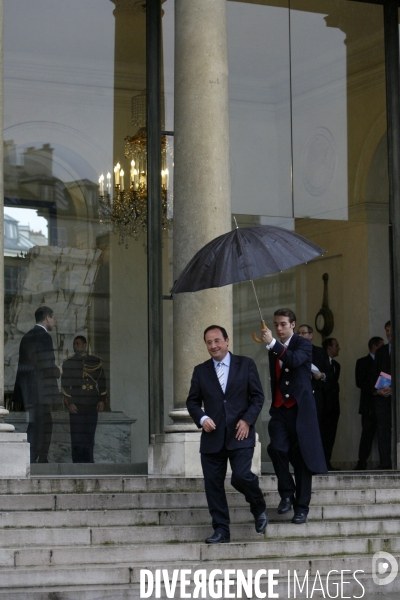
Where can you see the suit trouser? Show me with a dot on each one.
(330, 419)
(243, 480)
(368, 430)
(383, 411)
(83, 429)
(284, 448)
(39, 432)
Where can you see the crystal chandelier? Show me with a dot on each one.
(124, 212)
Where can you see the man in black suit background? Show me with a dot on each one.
(230, 391)
(365, 380)
(318, 378)
(36, 383)
(331, 410)
(383, 402)
(293, 428)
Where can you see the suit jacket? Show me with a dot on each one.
(365, 380)
(243, 399)
(383, 362)
(331, 385)
(37, 374)
(295, 382)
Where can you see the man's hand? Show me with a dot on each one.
(61, 369)
(242, 430)
(318, 375)
(72, 408)
(208, 425)
(100, 406)
(266, 335)
(385, 391)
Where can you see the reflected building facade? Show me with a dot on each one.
(277, 114)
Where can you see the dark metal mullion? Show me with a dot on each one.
(393, 127)
(154, 217)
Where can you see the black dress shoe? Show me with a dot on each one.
(299, 518)
(218, 538)
(284, 506)
(261, 522)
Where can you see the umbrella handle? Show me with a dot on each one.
(254, 335)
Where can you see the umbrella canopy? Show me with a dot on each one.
(244, 254)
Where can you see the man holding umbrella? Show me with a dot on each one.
(293, 428)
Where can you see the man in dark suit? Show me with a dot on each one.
(331, 409)
(36, 383)
(293, 427)
(365, 380)
(318, 377)
(383, 402)
(230, 390)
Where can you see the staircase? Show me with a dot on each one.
(88, 538)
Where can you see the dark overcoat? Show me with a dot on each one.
(37, 374)
(295, 382)
(243, 399)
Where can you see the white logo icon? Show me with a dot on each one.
(381, 561)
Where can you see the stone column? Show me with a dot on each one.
(14, 449)
(202, 209)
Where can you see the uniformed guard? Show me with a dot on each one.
(85, 395)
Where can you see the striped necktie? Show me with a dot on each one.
(220, 375)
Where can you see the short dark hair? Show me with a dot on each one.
(309, 328)
(81, 337)
(222, 330)
(285, 312)
(327, 342)
(387, 324)
(374, 341)
(42, 312)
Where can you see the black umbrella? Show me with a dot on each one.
(244, 254)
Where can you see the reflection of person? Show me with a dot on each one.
(230, 390)
(318, 378)
(365, 380)
(331, 410)
(36, 383)
(383, 402)
(293, 428)
(84, 389)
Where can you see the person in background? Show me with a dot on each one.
(85, 394)
(383, 402)
(365, 381)
(36, 383)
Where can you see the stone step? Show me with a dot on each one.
(126, 576)
(171, 500)
(129, 517)
(136, 484)
(157, 553)
(123, 535)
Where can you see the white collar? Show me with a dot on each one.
(225, 361)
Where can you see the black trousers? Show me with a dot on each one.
(243, 480)
(368, 430)
(329, 424)
(383, 411)
(284, 449)
(39, 432)
(83, 429)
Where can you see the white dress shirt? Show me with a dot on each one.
(225, 364)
